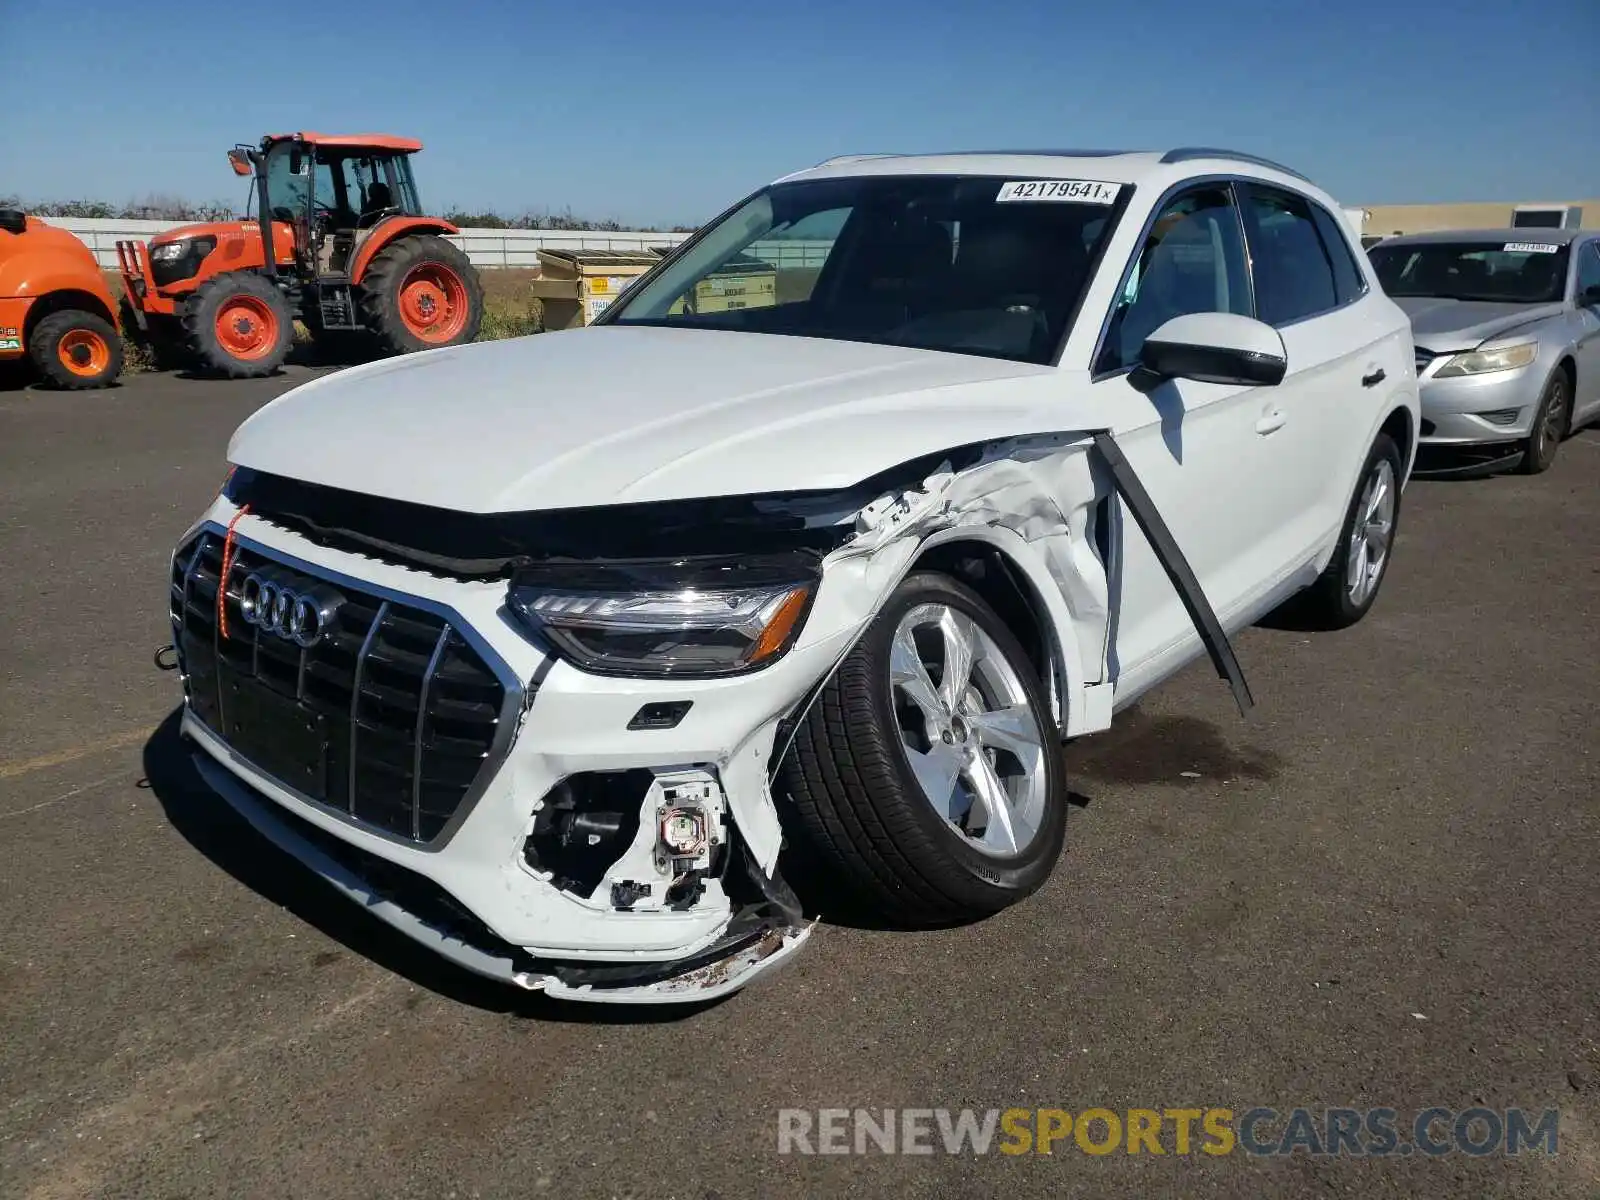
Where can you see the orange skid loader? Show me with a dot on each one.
(55, 308)
(339, 241)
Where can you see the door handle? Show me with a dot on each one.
(1374, 379)
(1271, 422)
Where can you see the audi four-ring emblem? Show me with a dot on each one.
(299, 610)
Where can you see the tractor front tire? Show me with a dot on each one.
(421, 293)
(74, 349)
(238, 325)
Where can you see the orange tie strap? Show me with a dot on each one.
(227, 567)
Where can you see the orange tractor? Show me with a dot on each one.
(339, 241)
(55, 308)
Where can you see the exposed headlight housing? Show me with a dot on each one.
(1482, 362)
(716, 618)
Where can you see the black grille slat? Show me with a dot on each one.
(408, 711)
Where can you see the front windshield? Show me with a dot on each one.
(933, 262)
(1509, 272)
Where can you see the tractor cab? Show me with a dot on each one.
(335, 191)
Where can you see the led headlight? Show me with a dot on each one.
(702, 628)
(1482, 362)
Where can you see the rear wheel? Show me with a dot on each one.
(238, 325)
(1549, 426)
(74, 349)
(1348, 587)
(421, 293)
(926, 779)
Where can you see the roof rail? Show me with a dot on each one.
(1189, 153)
(840, 159)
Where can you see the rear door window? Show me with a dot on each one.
(1293, 271)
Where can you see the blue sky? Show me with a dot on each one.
(664, 113)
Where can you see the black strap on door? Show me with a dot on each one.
(1177, 568)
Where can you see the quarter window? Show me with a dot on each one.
(1347, 277)
(1192, 261)
(1293, 273)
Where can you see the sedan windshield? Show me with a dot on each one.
(968, 264)
(1509, 273)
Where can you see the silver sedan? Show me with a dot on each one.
(1507, 330)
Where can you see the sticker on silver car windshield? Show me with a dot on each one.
(1061, 191)
(1530, 248)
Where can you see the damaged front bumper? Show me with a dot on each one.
(665, 888)
(725, 967)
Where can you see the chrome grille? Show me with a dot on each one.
(391, 719)
(1424, 357)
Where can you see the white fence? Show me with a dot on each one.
(485, 247)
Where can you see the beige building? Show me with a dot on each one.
(1386, 220)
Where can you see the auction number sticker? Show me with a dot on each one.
(1061, 191)
(1530, 248)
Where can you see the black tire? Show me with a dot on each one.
(386, 275)
(1327, 604)
(1551, 423)
(262, 314)
(160, 341)
(74, 349)
(859, 817)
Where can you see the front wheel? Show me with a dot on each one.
(74, 350)
(926, 780)
(421, 293)
(239, 325)
(1549, 426)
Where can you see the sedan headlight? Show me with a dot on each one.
(1482, 362)
(714, 623)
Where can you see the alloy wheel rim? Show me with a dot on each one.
(1552, 420)
(968, 730)
(1373, 532)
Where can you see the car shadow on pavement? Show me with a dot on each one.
(230, 842)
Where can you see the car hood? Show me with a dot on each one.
(622, 415)
(1441, 324)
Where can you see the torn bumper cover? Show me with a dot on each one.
(598, 837)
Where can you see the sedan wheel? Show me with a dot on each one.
(1549, 427)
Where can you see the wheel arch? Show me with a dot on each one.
(1400, 426)
(996, 564)
(393, 230)
(65, 300)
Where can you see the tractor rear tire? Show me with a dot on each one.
(238, 325)
(74, 349)
(421, 293)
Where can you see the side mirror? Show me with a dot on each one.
(239, 162)
(1216, 348)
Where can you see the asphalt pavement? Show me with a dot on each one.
(1381, 890)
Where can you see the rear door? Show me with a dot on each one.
(1339, 347)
